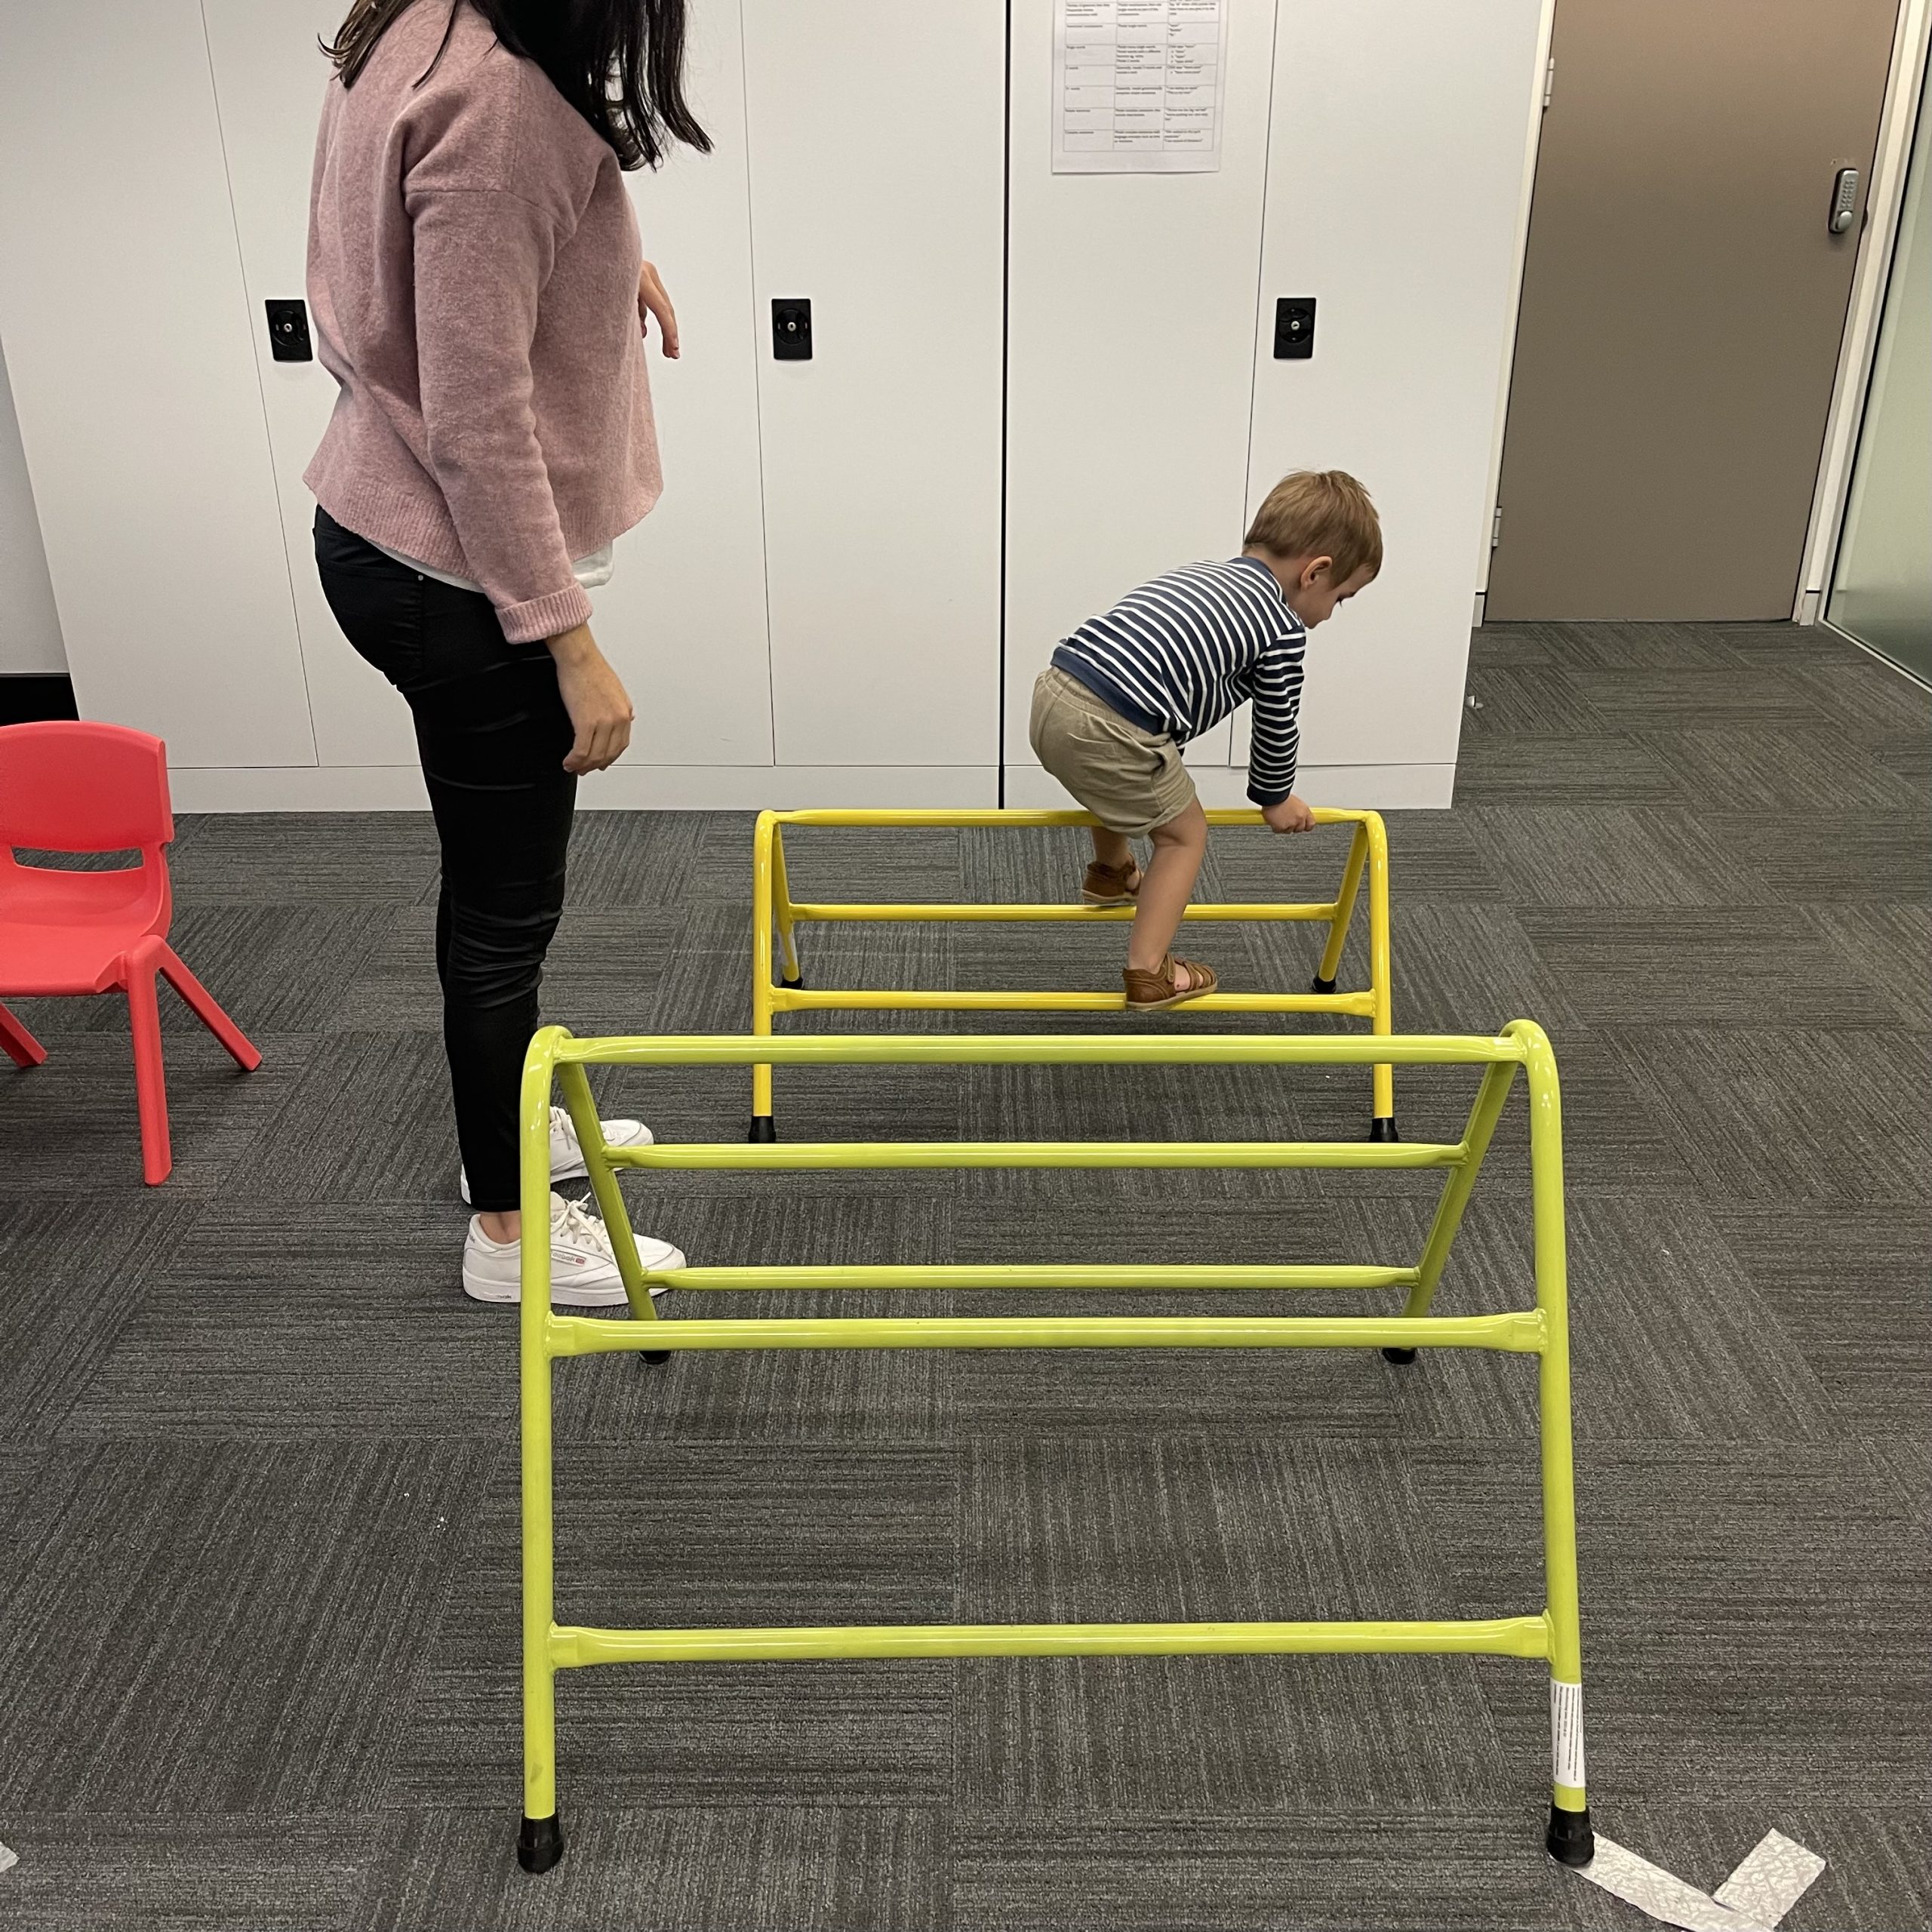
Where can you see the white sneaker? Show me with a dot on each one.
(566, 1152)
(583, 1271)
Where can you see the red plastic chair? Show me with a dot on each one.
(67, 787)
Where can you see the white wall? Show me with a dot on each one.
(29, 625)
(813, 614)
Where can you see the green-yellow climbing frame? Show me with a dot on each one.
(774, 911)
(558, 1060)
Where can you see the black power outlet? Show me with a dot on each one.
(288, 332)
(791, 330)
(1294, 328)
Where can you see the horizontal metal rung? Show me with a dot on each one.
(1514, 1334)
(999, 815)
(1075, 1277)
(917, 911)
(732, 1154)
(786, 999)
(574, 1645)
(1139, 1049)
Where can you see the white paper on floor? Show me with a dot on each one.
(8, 1859)
(1771, 1880)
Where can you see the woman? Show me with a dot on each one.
(479, 293)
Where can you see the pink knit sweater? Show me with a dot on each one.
(472, 273)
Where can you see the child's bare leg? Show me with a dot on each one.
(1111, 848)
(1178, 848)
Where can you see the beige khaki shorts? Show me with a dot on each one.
(1129, 779)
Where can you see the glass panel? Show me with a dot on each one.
(1882, 593)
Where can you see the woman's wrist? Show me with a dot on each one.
(574, 646)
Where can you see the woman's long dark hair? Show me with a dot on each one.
(619, 63)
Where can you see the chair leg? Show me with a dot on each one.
(22, 1048)
(150, 1086)
(205, 1010)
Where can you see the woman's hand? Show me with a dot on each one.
(594, 695)
(651, 300)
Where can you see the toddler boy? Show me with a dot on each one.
(1170, 661)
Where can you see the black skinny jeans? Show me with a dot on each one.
(492, 731)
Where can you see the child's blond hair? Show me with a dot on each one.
(1321, 512)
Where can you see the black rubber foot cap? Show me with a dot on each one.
(1382, 1129)
(764, 1129)
(1401, 1357)
(1319, 985)
(654, 1358)
(793, 986)
(540, 1844)
(1569, 1839)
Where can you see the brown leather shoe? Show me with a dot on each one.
(1147, 992)
(1105, 886)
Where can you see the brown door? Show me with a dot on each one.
(1683, 301)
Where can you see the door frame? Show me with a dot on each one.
(1543, 80)
(1877, 243)
(1885, 195)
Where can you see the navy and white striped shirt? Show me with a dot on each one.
(1180, 653)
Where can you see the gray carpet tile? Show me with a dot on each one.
(1833, 1274)
(1612, 772)
(1855, 692)
(226, 1629)
(1827, 857)
(801, 1395)
(1794, 1114)
(273, 969)
(863, 864)
(612, 869)
(1904, 1465)
(1078, 1739)
(394, 1087)
(295, 1321)
(1886, 948)
(1670, 1341)
(1320, 1868)
(73, 1128)
(393, 986)
(801, 1532)
(304, 858)
(1878, 1861)
(74, 1277)
(1751, 1626)
(80, 1872)
(1792, 777)
(1607, 855)
(671, 1866)
(1636, 651)
(1542, 700)
(604, 972)
(1769, 693)
(1633, 969)
(1508, 644)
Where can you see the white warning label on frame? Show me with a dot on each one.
(1566, 1732)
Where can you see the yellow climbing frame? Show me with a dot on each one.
(775, 910)
(558, 1060)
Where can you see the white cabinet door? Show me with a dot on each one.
(1132, 323)
(127, 324)
(1393, 188)
(269, 74)
(876, 154)
(683, 618)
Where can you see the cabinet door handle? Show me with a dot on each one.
(1845, 199)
